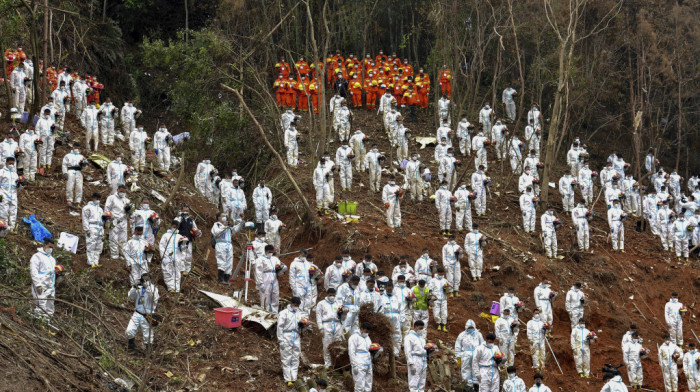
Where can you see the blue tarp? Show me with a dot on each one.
(38, 230)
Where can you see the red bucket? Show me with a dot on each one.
(228, 317)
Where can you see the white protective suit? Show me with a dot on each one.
(48, 138)
(93, 226)
(117, 233)
(442, 202)
(542, 294)
(527, 206)
(479, 189)
(691, 368)
(289, 338)
(262, 200)
(581, 223)
(444, 110)
(475, 251)
(146, 297)
(617, 227)
(74, 185)
(681, 236)
(509, 102)
(42, 270)
(615, 385)
(417, 360)
(115, 175)
(8, 191)
(236, 202)
(485, 115)
(108, 118)
(128, 116)
(463, 205)
(329, 322)
(272, 232)
(392, 307)
(392, 196)
(574, 305)
(437, 288)
(172, 258)
(89, 121)
(141, 217)
(465, 345)
(415, 181)
(549, 233)
(350, 298)
(361, 361)
(669, 367)
(514, 384)
(463, 137)
(343, 158)
(291, 136)
(536, 337)
(136, 259)
(451, 256)
(674, 321)
(633, 362)
(515, 154)
(333, 277)
(533, 137)
(506, 337)
(485, 368)
(498, 138)
(299, 280)
(581, 347)
(323, 189)
(480, 153)
(270, 288)
(534, 114)
(222, 234)
(585, 183)
(18, 84)
(358, 147)
(374, 168)
(566, 189)
(27, 142)
(447, 170)
(161, 144)
(341, 123)
(137, 145)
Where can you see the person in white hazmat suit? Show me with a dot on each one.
(273, 226)
(46, 129)
(452, 253)
(146, 218)
(373, 164)
(439, 287)
(575, 300)
(357, 143)
(463, 206)
(73, 164)
(146, 296)
(391, 196)
(291, 141)
(204, 178)
(669, 357)
(93, 226)
(479, 145)
(586, 183)
(474, 245)
(443, 199)
(506, 327)
(136, 256)
(448, 168)
(509, 102)
(485, 366)
(29, 142)
(9, 184)
(269, 267)
(289, 338)
(444, 109)
(580, 216)
(262, 200)
(341, 121)
(534, 116)
(161, 143)
(616, 219)
(549, 224)
(567, 184)
(392, 306)
(172, 256)
(19, 79)
(416, 357)
(499, 132)
(235, 199)
(42, 269)
(479, 184)
(90, 121)
(681, 236)
(361, 358)
(528, 202)
(691, 368)
(299, 280)
(119, 206)
(413, 176)
(673, 311)
(321, 180)
(129, 114)
(108, 115)
(343, 158)
(328, 314)
(222, 232)
(485, 118)
(349, 295)
(632, 355)
(513, 383)
(536, 337)
(544, 295)
(465, 345)
(137, 145)
(464, 129)
(581, 346)
(116, 173)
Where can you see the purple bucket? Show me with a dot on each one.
(495, 308)
(25, 117)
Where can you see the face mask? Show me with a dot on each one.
(338, 264)
(425, 256)
(635, 340)
(582, 325)
(295, 308)
(95, 202)
(145, 206)
(538, 383)
(403, 269)
(119, 160)
(346, 258)
(415, 158)
(10, 165)
(470, 330)
(443, 143)
(489, 345)
(331, 298)
(262, 185)
(353, 286)
(438, 276)
(140, 129)
(536, 317)
(48, 251)
(223, 219)
(392, 183)
(388, 293)
(76, 151)
(364, 334)
(273, 217)
(122, 194)
(402, 285)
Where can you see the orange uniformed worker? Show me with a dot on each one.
(280, 90)
(291, 99)
(313, 91)
(303, 92)
(282, 67)
(381, 58)
(355, 87)
(446, 82)
(302, 66)
(396, 90)
(407, 68)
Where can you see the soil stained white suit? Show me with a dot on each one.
(93, 226)
(514, 384)
(262, 200)
(330, 325)
(681, 236)
(475, 251)
(358, 147)
(321, 184)
(136, 259)
(392, 307)
(633, 361)
(18, 84)
(161, 144)
(463, 205)
(669, 367)
(27, 142)
(137, 145)
(544, 303)
(115, 175)
(485, 367)
(374, 168)
(506, 337)
(507, 99)
(343, 159)
(498, 136)
(270, 288)
(361, 361)
(42, 270)
(479, 188)
(341, 122)
(392, 196)
(674, 321)
(116, 204)
(89, 121)
(691, 368)
(485, 115)
(79, 97)
(585, 182)
(549, 233)
(465, 345)
(9, 202)
(146, 297)
(581, 347)
(442, 203)
(204, 179)
(581, 223)
(536, 337)
(451, 255)
(527, 206)
(74, 184)
(173, 257)
(290, 141)
(574, 305)
(109, 112)
(417, 360)
(289, 338)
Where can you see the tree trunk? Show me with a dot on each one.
(8, 92)
(45, 80)
(187, 23)
(553, 125)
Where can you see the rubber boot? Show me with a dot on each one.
(226, 278)
(132, 344)
(220, 276)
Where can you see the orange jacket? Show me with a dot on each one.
(282, 68)
(302, 67)
(381, 58)
(445, 75)
(411, 98)
(302, 86)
